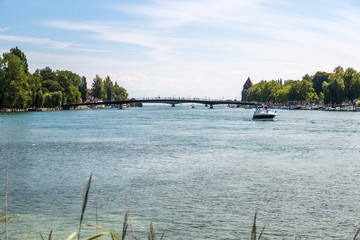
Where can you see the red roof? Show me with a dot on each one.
(248, 84)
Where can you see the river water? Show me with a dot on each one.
(198, 173)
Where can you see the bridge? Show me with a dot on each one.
(167, 100)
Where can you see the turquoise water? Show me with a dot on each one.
(198, 173)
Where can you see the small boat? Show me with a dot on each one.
(262, 113)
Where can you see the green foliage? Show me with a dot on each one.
(109, 89)
(39, 99)
(300, 90)
(53, 100)
(318, 79)
(83, 89)
(17, 52)
(352, 84)
(335, 89)
(51, 86)
(120, 92)
(98, 88)
(20, 89)
(14, 89)
(330, 88)
(47, 74)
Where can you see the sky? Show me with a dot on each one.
(184, 48)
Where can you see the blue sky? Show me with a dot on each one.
(202, 48)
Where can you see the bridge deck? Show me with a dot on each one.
(166, 101)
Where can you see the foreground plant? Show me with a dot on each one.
(110, 233)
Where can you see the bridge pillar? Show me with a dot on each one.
(206, 105)
(211, 106)
(173, 105)
(121, 107)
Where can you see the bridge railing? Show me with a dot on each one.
(186, 98)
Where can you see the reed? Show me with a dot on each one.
(253, 232)
(125, 226)
(6, 186)
(84, 203)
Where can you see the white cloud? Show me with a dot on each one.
(48, 43)
(36, 41)
(4, 29)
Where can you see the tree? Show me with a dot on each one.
(15, 91)
(73, 95)
(336, 88)
(109, 88)
(258, 92)
(51, 86)
(352, 84)
(318, 80)
(307, 77)
(282, 95)
(120, 92)
(53, 100)
(83, 89)
(47, 74)
(70, 82)
(16, 51)
(34, 81)
(39, 99)
(300, 90)
(98, 88)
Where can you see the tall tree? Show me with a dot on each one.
(334, 91)
(15, 91)
(109, 88)
(98, 88)
(83, 89)
(352, 84)
(34, 81)
(16, 51)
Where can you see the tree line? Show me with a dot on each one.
(329, 88)
(20, 89)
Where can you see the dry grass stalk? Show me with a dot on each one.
(50, 234)
(125, 226)
(151, 234)
(357, 234)
(253, 232)
(132, 229)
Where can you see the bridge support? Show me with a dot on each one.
(173, 105)
(121, 107)
(206, 105)
(211, 106)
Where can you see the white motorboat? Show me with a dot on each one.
(262, 113)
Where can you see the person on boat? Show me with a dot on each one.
(266, 108)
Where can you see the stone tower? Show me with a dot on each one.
(245, 90)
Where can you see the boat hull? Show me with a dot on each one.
(264, 116)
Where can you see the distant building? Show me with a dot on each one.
(245, 90)
(90, 94)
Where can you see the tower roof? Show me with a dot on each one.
(248, 84)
